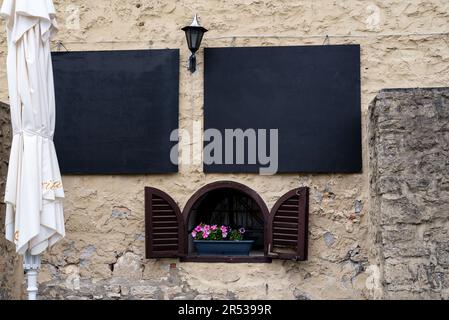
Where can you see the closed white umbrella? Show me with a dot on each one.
(34, 192)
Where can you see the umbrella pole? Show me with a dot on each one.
(31, 266)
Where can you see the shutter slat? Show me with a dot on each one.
(157, 228)
(285, 215)
(167, 219)
(285, 230)
(293, 206)
(165, 235)
(165, 241)
(289, 213)
(288, 226)
(164, 214)
(285, 242)
(164, 225)
(159, 205)
(285, 218)
(163, 211)
(167, 248)
(277, 235)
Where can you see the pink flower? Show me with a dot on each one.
(194, 234)
(224, 229)
(224, 234)
(198, 228)
(206, 228)
(205, 235)
(214, 227)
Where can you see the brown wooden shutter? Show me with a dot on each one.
(164, 226)
(288, 226)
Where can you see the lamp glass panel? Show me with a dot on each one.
(188, 37)
(199, 39)
(193, 44)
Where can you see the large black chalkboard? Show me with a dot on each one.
(115, 111)
(311, 94)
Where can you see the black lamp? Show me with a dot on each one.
(194, 35)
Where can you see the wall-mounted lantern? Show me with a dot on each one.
(194, 35)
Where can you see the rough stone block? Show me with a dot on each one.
(128, 266)
(442, 253)
(147, 291)
(409, 162)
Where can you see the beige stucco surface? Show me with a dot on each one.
(401, 46)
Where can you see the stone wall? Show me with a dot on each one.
(10, 265)
(409, 148)
(102, 255)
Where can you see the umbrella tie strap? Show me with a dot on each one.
(31, 262)
(34, 133)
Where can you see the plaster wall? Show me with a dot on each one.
(403, 44)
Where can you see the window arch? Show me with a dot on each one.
(246, 208)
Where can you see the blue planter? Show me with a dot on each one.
(223, 247)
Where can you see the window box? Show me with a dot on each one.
(223, 247)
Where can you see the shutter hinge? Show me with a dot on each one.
(271, 253)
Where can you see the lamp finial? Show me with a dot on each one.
(195, 22)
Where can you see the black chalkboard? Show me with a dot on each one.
(311, 94)
(115, 111)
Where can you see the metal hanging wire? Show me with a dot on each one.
(233, 37)
(59, 44)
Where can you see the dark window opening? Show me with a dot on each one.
(232, 208)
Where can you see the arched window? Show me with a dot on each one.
(281, 233)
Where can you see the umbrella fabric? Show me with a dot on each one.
(34, 191)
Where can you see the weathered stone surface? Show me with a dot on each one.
(442, 253)
(144, 291)
(203, 297)
(299, 295)
(329, 239)
(410, 213)
(128, 266)
(358, 206)
(120, 212)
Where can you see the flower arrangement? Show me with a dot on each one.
(217, 232)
